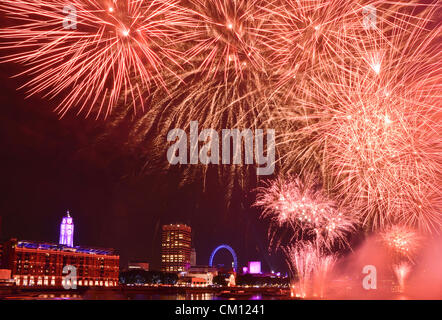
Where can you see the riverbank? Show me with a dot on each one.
(148, 292)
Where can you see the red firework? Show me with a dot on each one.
(369, 121)
(307, 211)
(93, 53)
(401, 240)
(226, 36)
(310, 267)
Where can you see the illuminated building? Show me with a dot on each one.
(254, 267)
(41, 264)
(5, 278)
(203, 269)
(175, 248)
(67, 231)
(199, 275)
(196, 280)
(138, 265)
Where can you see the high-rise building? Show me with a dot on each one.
(67, 231)
(176, 247)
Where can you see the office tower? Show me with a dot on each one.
(175, 248)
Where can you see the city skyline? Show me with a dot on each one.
(66, 240)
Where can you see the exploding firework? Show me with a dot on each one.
(401, 271)
(311, 269)
(354, 100)
(226, 84)
(223, 84)
(305, 209)
(215, 105)
(304, 36)
(401, 240)
(227, 36)
(93, 53)
(370, 125)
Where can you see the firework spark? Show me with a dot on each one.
(311, 269)
(305, 209)
(227, 36)
(370, 124)
(93, 53)
(358, 106)
(223, 84)
(402, 241)
(401, 271)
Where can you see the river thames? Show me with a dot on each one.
(140, 293)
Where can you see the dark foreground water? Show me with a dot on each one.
(112, 295)
(135, 296)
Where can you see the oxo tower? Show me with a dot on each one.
(67, 231)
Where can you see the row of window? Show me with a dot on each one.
(174, 269)
(45, 281)
(54, 258)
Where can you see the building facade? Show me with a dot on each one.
(176, 248)
(67, 231)
(201, 275)
(42, 265)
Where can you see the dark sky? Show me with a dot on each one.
(50, 165)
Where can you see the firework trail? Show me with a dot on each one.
(306, 211)
(305, 36)
(371, 125)
(93, 54)
(401, 271)
(311, 269)
(223, 84)
(403, 244)
(226, 83)
(227, 36)
(358, 105)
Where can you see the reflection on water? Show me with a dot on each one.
(92, 295)
(43, 296)
(118, 295)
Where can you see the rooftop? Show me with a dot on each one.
(58, 247)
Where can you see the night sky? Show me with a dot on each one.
(50, 165)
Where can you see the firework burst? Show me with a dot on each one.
(93, 53)
(370, 125)
(401, 240)
(304, 36)
(305, 209)
(226, 36)
(223, 84)
(357, 104)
